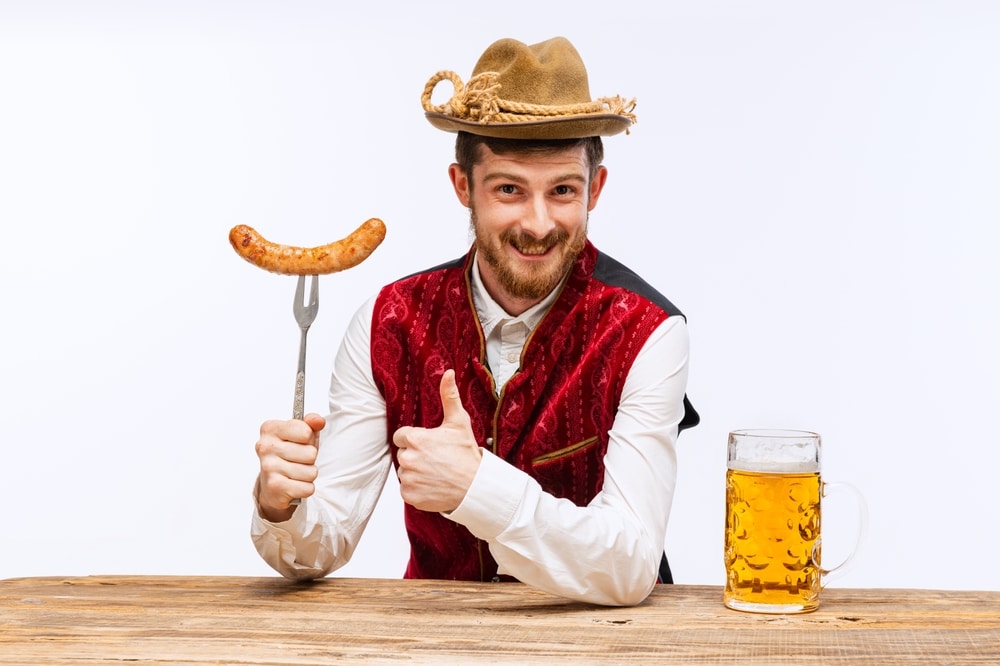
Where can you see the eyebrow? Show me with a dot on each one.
(501, 175)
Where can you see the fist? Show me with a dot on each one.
(437, 465)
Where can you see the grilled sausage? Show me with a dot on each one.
(292, 260)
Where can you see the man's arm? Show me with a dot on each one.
(353, 463)
(607, 552)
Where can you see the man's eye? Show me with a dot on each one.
(508, 189)
(563, 190)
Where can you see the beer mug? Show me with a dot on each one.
(772, 542)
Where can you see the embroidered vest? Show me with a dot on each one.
(551, 419)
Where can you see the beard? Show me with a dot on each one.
(532, 281)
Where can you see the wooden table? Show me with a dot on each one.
(231, 620)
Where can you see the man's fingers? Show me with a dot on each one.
(296, 461)
(293, 430)
(270, 447)
(299, 454)
(451, 401)
(287, 451)
(315, 421)
(280, 490)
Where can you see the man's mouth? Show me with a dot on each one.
(532, 249)
(535, 247)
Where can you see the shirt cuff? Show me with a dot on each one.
(262, 528)
(493, 498)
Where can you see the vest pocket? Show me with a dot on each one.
(566, 451)
(574, 472)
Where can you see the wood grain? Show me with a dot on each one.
(233, 620)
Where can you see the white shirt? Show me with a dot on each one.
(607, 552)
(505, 335)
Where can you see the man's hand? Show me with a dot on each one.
(437, 465)
(287, 452)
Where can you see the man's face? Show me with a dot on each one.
(529, 214)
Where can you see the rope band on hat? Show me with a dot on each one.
(479, 101)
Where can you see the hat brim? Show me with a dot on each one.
(567, 127)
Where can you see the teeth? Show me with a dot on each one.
(533, 250)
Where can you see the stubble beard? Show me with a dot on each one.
(532, 283)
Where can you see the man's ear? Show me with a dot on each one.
(597, 186)
(460, 181)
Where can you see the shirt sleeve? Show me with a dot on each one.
(609, 551)
(353, 462)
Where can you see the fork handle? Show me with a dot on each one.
(298, 407)
(298, 404)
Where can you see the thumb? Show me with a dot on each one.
(315, 421)
(451, 401)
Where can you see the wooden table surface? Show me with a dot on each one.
(234, 620)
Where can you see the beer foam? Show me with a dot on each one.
(775, 467)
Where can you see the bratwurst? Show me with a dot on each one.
(292, 260)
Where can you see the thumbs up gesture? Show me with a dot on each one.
(437, 465)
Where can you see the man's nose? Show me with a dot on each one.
(538, 221)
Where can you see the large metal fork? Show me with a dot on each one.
(304, 315)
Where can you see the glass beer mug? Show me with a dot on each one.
(772, 541)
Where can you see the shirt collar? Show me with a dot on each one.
(491, 314)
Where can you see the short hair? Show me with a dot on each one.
(467, 149)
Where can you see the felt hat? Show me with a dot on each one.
(519, 91)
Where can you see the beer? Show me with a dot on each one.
(772, 546)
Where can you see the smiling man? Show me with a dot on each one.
(528, 395)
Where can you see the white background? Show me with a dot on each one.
(814, 184)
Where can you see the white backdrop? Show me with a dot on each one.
(814, 184)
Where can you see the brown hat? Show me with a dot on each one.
(528, 92)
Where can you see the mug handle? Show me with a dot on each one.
(862, 506)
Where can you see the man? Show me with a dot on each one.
(529, 395)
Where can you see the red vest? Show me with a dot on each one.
(553, 416)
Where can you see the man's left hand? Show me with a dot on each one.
(437, 465)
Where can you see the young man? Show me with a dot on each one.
(528, 395)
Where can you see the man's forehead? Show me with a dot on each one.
(570, 160)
